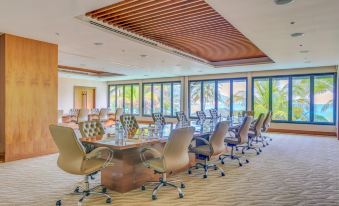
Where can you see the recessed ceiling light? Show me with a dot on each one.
(282, 2)
(98, 43)
(297, 34)
(292, 22)
(143, 55)
(301, 45)
(57, 33)
(122, 50)
(304, 51)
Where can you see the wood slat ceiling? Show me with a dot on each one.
(191, 26)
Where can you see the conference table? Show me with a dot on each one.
(127, 171)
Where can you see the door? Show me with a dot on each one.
(84, 97)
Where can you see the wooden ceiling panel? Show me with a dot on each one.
(191, 26)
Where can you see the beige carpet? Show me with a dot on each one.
(293, 170)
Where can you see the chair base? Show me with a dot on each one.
(206, 166)
(249, 147)
(232, 156)
(84, 191)
(161, 183)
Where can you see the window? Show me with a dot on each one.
(161, 97)
(228, 96)
(126, 97)
(297, 99)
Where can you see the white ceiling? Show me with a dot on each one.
(262, 21)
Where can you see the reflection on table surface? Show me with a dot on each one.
(150, 133)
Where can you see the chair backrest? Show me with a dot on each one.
(246, 113)
(91, 128)
(129, 122)
(214, 113)
(259, 124)
(118, 113)
(158, 118)
(267, 121)
(218, 137)
(181, 117)
(175, 153)
(103, 114)
(95, 111)
(71, 151)
(82, 115)
(242, 134)
(201, 116)
(74, 112)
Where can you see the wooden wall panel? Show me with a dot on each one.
(31, 97)
(2, 97)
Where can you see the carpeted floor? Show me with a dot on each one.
(293, 170)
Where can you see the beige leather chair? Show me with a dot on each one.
(181, 117)
(74, 113)
(214, 147)
(253, 134)
(236, 138)
(214, 114)
(158, 118)
(129, 123)
(82, 115)
(201, 116)
(91, 128)
(103, 114)
(266, 126)
(118, 113)
(74, 160)
(174, 157)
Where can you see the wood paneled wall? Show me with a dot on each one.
(2, 97)
(30, 96)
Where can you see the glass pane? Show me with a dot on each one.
(239, 96)
(176, 97)
(147, 99)
(261, 96)
(167, 96)
(156, 98)
(224, 95)
(136, 95)
(120, 97)
(195, 98)
(209, 96)
(128, 99)
(112, 98)
(323, 98)
(301, 98)
(280, 99)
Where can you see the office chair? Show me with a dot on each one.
(90, 129)
(214, 114)
(118, 113)
(74, 160)
(174, 157)
(236, 138)
(129, 123)
(201, 116)
(158, 118)
(214, 147)
(82, 115)
(254, 132)
(74, 113)
(266, 126)
(181, 117)
(103, 115)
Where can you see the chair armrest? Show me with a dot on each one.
(98, 151)
(202, 139)
(153, 151)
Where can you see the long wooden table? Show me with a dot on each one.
(128, 172)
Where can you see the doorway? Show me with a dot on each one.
(84, 97)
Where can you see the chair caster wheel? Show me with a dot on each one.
(260, 150)
(181, 195)
(189, 172)
(240, 165)
(143, 187)
(182, 185)
(205, 176)
(242, 152)
(264, 145)
(236, 149)
(108, 200)
(222, 162)
(219, 158)
(77, 189)
(104, 190)
(154, 197)
(196, 167)
(58, 203)
(215, 168)
(222, 174)
(247, 161)
(258, 153)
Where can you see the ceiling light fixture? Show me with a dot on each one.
(282, 2)
(98, 43)
(292, 22)
(143, 55)
(297, 34)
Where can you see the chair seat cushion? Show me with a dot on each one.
(251, 134)
(92, 165)
(203, 150)
(232, 140)
(157, 164)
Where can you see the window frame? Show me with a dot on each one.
(216, 92)
(123, 99)
(161, 97)
(290, 95)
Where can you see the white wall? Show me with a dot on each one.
(66, 92)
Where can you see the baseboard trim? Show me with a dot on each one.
(2, 157)
(303, 132)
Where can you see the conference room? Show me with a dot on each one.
(169, 102)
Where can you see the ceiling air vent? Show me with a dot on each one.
(140, 39)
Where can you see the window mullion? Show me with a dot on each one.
(312, 98)
(231, 97)
(290, 85)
